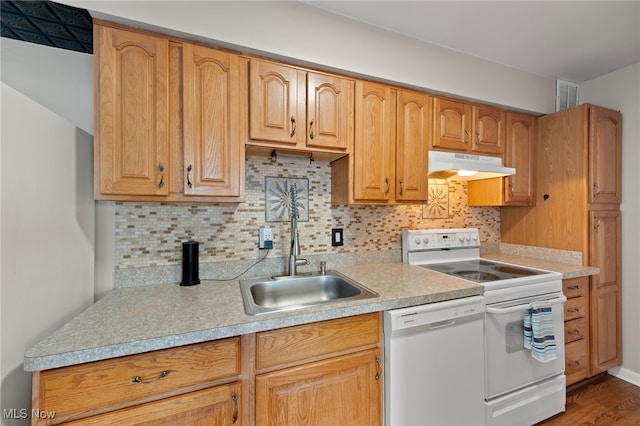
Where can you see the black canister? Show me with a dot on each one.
(190, 263)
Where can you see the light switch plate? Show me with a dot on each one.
(337, 237)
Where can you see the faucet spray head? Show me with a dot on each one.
(293, 195)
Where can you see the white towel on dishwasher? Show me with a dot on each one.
(543, 341)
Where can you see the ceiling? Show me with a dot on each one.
(573, 41)
(47, 23)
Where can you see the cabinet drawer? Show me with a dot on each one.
(575, 329)
(213, 406)
(307, 342)
(575, 287)
(81, 390)
(576, 361)
(575, 308)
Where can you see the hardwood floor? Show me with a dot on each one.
(605, 400)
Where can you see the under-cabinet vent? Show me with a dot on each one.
(566, 95)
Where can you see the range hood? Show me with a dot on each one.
(450, 165)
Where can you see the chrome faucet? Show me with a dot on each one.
(294, 261)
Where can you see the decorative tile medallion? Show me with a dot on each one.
(278, 198)
(437, 206)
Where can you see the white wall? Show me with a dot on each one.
(47, 227)
(60, 80)
(312, 36)
(620, 90)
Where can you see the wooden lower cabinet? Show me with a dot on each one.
(214, 406)
(323, 373)
(337, 391)
(576, 329)
(606, 293)
(108, 386)
(327, 372)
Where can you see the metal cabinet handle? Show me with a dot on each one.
(293, 126)
(574, 364)
(388, 186)
(477, 137)
(161, 169)
(597, 224)
(189, 169)
(573, 332)
(401, 186)
(379, 370)
(467, 136)
(516, 308)
(311, 135)
(139, 379)
(573, 310)
(596, 190)
(234, 398)
(573, 287)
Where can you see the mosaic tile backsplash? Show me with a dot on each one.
(151, 234)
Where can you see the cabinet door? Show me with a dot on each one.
(411, 146)
(489, 129)
(452, 125)
(605, 298)
(520, 153)
(132, 112)
(374, 145)
(345, 390)
(277, 103)
(214, 406)
(212, 147)
(329, 111)
(605, 155)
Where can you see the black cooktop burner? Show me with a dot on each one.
(482, 271)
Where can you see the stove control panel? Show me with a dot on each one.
(434, 239)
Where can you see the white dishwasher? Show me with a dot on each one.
(434, 364)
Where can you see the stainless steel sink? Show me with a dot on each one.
(276, 294)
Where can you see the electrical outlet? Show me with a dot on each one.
(265, 238)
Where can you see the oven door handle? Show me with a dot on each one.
(523, 306)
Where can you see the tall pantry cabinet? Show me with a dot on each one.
(578, 209)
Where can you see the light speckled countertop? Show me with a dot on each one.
(140, 319)
(567, 270)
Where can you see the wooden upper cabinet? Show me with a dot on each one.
(605, 155)
(412, 134)
(375, 145)
(451, 125)
(520, 153)
(131, 138)
(299, 109)
(388, 163)
(489, 130)
(329, 111)
(277, 102)
(461, 126)
(211, 123)
(164, 106)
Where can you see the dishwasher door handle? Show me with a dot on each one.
(440, 324)
(524, 306)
